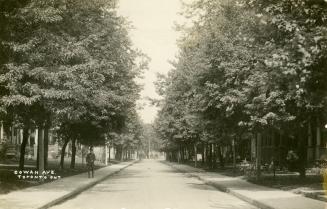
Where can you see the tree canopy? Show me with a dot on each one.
(68, 63)
(245, 67)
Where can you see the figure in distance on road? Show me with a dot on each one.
(90, 158)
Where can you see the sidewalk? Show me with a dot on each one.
(49, 194)
(15, 165)
(260, 196)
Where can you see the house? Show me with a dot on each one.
(275, 145)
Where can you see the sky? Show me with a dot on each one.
(154, 35)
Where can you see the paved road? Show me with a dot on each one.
(152, 185)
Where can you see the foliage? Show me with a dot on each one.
(245, 67)
(69, 64)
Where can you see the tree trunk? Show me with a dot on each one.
(280, 146)
(234, 156)
(41, 151)
(72, 162)
(62, 157)
(46, 147)
(214, 163)
(195, 155)
(221, 157)
(182, 153)
(190, 154)
(109, 154)
(185, 154)
(258, 157)
(273, 160)
(22, 149)
(40, 138)
(121, 153)
(302, 153)
(116, 153)
(203, 154)
(209, 158)
(179, 155)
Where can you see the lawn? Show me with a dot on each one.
(9, 181)
(311, 186)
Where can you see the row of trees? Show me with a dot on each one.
(245, 68)
(69, 64)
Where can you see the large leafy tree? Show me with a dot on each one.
(297, 61)
(70, 63)
(249, 66)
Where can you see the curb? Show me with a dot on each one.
(316, 195)
(82, 188)
(222, 188)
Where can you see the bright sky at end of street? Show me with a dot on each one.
(154, 35)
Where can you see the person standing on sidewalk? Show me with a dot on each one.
(90, 158)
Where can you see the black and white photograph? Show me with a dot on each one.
(163, 104)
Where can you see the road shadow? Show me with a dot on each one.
(201, 186)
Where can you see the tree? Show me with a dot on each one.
(246, 67)
(68, 64)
